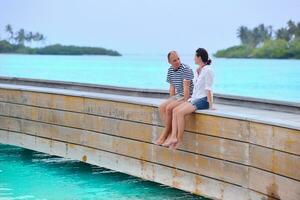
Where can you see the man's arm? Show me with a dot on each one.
(172, 90)
(186, 89)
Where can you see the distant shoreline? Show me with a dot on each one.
(265, 42)
(56, 49)
(26, 54)
(272, 49)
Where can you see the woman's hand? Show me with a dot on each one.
(212, 108)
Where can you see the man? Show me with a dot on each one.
(180, 77)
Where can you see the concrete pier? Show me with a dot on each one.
(235, 152)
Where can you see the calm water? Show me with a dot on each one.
(263, 78)
(26, 174)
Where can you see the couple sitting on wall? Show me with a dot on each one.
(188, 92)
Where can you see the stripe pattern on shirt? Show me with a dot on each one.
(176, 77)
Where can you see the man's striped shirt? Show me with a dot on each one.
(176, 77)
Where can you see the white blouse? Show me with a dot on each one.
(202, 82)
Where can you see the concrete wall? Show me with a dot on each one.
(220, 158)
(250, 102)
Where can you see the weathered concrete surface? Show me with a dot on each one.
(240, 101)
(230, 153)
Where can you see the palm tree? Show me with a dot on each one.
(292, 28)
(270, 28)
(298, 31)
(20, 38)
(29, 37)
(42, 38)
(256, 37)
(38, 37)
(284, 34)
(9, 30)
(263, 33)
(244, 34)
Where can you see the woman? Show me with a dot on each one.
(202, 97)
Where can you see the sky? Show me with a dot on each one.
(145, 26)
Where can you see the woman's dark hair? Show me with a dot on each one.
(204, 55)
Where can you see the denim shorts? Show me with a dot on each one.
(200, 104)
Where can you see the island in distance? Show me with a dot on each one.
(15, 43)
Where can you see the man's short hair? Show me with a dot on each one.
(170, 53)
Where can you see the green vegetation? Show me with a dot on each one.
(260, 43)
(15, 43)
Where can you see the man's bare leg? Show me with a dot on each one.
(174, 126)
(162, 113)
(174, 131)
(162, 109)
(168, 121)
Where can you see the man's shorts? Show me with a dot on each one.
(178, 97)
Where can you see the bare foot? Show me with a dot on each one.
(174, 146)
(170, 142)
(167, 140)
(160, 140)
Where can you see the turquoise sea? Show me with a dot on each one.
(262, 78)
(30, 175)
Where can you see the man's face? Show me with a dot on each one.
(174, 60)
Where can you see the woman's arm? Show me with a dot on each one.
(210, 98)
(208, 88)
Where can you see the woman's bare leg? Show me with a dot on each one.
(184, 110)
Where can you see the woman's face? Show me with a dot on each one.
(197, 60)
